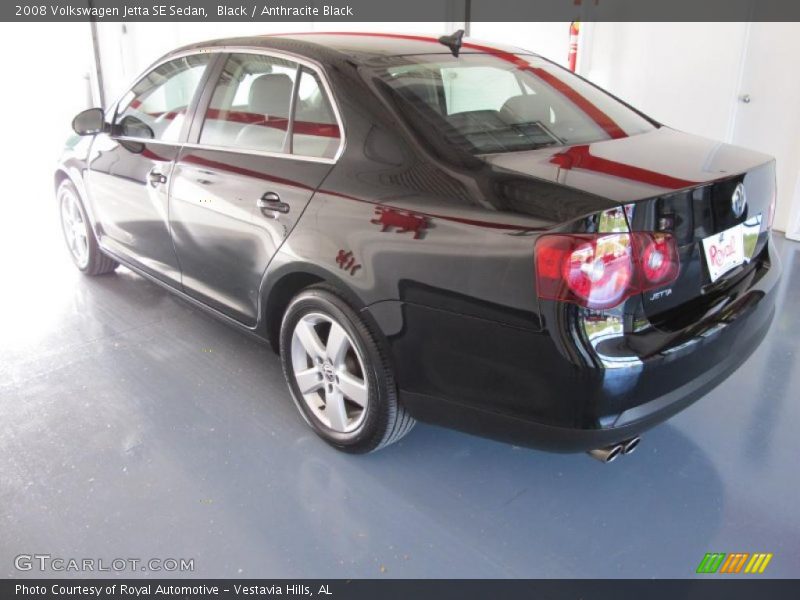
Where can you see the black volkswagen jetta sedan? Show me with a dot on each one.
(433, 230)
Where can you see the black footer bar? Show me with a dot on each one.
(390, 589)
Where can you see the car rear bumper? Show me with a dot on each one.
(520, 386)
(631, 422)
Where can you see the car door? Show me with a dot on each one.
(130, 167)
(264, 138)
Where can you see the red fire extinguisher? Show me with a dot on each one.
(572, 57)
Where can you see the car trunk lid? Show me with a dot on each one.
(674, 182)
(730, 214)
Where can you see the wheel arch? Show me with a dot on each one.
(71, 170)
(60, 177)
(286, 281)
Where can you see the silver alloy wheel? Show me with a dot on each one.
(75, 228)
(330, 375)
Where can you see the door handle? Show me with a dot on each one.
(272, 201)
(155, 178)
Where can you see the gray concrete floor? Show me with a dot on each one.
(132, 425)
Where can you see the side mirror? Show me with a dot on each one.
(131, 126)
(89, 122)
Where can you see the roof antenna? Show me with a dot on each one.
(453, 41)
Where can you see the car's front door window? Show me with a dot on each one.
(156, 107)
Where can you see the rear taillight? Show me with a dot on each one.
(601, 270)
(771, 213)
(591, 270)
(658, 259)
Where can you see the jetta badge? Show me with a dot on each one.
(738, 200)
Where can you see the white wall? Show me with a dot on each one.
(770, 122)
(550, 40)
(45, 69)
(40, 99)
(684, 75)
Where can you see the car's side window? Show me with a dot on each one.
(155, 108)
(315, 130)
(250, 105)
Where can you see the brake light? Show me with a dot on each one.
(658, 258)
(771, 213)
(599, 271)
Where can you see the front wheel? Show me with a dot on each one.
(78, 233)
(338, 375)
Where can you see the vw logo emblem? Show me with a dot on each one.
(738, 200)
(328, 371)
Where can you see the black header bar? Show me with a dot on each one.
(342, 11)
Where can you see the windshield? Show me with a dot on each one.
(487, 103)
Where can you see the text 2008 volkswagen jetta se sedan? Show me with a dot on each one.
(433, 230)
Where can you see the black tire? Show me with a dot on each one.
(96, 262)
(385, 420)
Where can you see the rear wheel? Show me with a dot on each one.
(78, 234)
(338, 374)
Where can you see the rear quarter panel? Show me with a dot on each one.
(403, 218)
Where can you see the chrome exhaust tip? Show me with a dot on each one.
(628, 446)
(607, 454)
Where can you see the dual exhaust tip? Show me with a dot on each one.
(611, 453)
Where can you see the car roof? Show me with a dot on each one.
(359, 47)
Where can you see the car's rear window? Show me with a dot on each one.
(486, 103)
